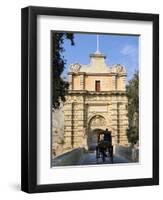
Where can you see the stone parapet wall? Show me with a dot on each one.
(71, 157)
(128, 152)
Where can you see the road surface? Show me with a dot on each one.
(90, 158)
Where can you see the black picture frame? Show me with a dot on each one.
(29, 99)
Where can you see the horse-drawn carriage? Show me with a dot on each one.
(104, 146)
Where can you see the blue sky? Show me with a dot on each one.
(119, 49)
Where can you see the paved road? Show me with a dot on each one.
(90, 158)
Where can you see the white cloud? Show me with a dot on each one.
(129, 50)
(130, 57)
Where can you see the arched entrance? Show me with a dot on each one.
(93, 138)
(97, 124)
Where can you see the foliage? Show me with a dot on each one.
(59, 86)
(133, 108)
(132, 134)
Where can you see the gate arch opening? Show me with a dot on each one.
(93, 138)
(97, 124)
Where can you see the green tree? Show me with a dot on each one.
(133, 108)
(59, 86)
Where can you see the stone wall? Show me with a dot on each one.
(71, 157)
(57, 131)
(87, 82)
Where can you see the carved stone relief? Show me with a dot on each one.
(98, 121)
(75, 67)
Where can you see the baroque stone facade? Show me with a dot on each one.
(96, 100)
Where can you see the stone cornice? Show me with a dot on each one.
(98, 74)
(97, 55)
(117, 92)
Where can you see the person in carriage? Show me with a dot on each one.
(107, 139)
(105, 145)
(107, 136)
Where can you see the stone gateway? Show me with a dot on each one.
(96, 100)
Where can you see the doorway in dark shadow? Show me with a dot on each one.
(93, 138)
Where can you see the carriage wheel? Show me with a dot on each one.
(111, 153)
(103, 156)
(97, 152)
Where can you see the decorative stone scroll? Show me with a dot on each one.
(118, 68)
(75, 67)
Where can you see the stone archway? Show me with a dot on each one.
(96, 124)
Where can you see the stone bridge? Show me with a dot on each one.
(80, 156)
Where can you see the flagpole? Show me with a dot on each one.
(97, 43)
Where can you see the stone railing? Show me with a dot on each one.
(129, 153)
(69, 158)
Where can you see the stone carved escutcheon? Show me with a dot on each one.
(98, 121)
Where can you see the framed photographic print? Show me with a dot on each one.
(90, 99)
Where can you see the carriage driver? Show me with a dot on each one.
(107, 136)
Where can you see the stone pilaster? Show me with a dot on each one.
(114, 122)
(121, 82)
(68, 126)
(123, 123)
(82, 82)
(79, 124)
(124, 82)
(70, 81)
(114, 82)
